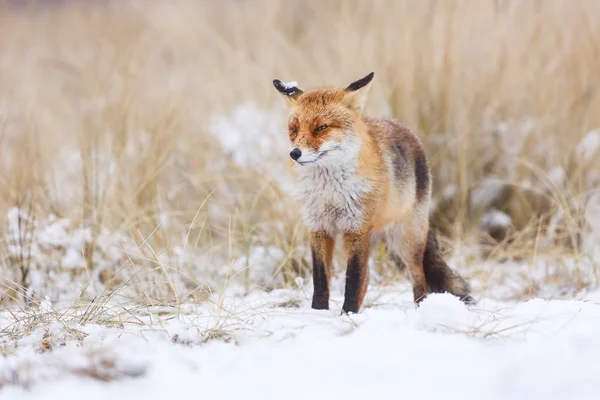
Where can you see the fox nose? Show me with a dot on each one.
(295, 154)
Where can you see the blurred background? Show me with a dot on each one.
(144, 147)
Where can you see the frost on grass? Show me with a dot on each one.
(60, 265)
(52, 249)
(254, 138)
(261, 266)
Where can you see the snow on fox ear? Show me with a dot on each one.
(356, 96)
(288, 89)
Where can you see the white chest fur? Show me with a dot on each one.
(331, 197)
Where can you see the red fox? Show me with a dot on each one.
(367, 179)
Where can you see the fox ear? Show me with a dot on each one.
(288, 89)
(356, 92)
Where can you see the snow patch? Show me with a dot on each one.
(588, 145)
(557, 176)
(256, 139)
(261, 265)
(289, 85)
(449, 191)
(496, 218)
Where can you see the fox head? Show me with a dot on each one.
(324, 124)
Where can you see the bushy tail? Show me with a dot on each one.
(440, 278)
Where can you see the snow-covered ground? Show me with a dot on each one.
(272, 346)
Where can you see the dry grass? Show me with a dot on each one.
(106, 108)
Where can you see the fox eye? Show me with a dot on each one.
(321, 128)
(293, 131)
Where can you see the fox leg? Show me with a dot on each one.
(440, 277)
(417, 275)
(322, 245)
(406, 241)
(357, 247)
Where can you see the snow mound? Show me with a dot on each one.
(444, 312)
